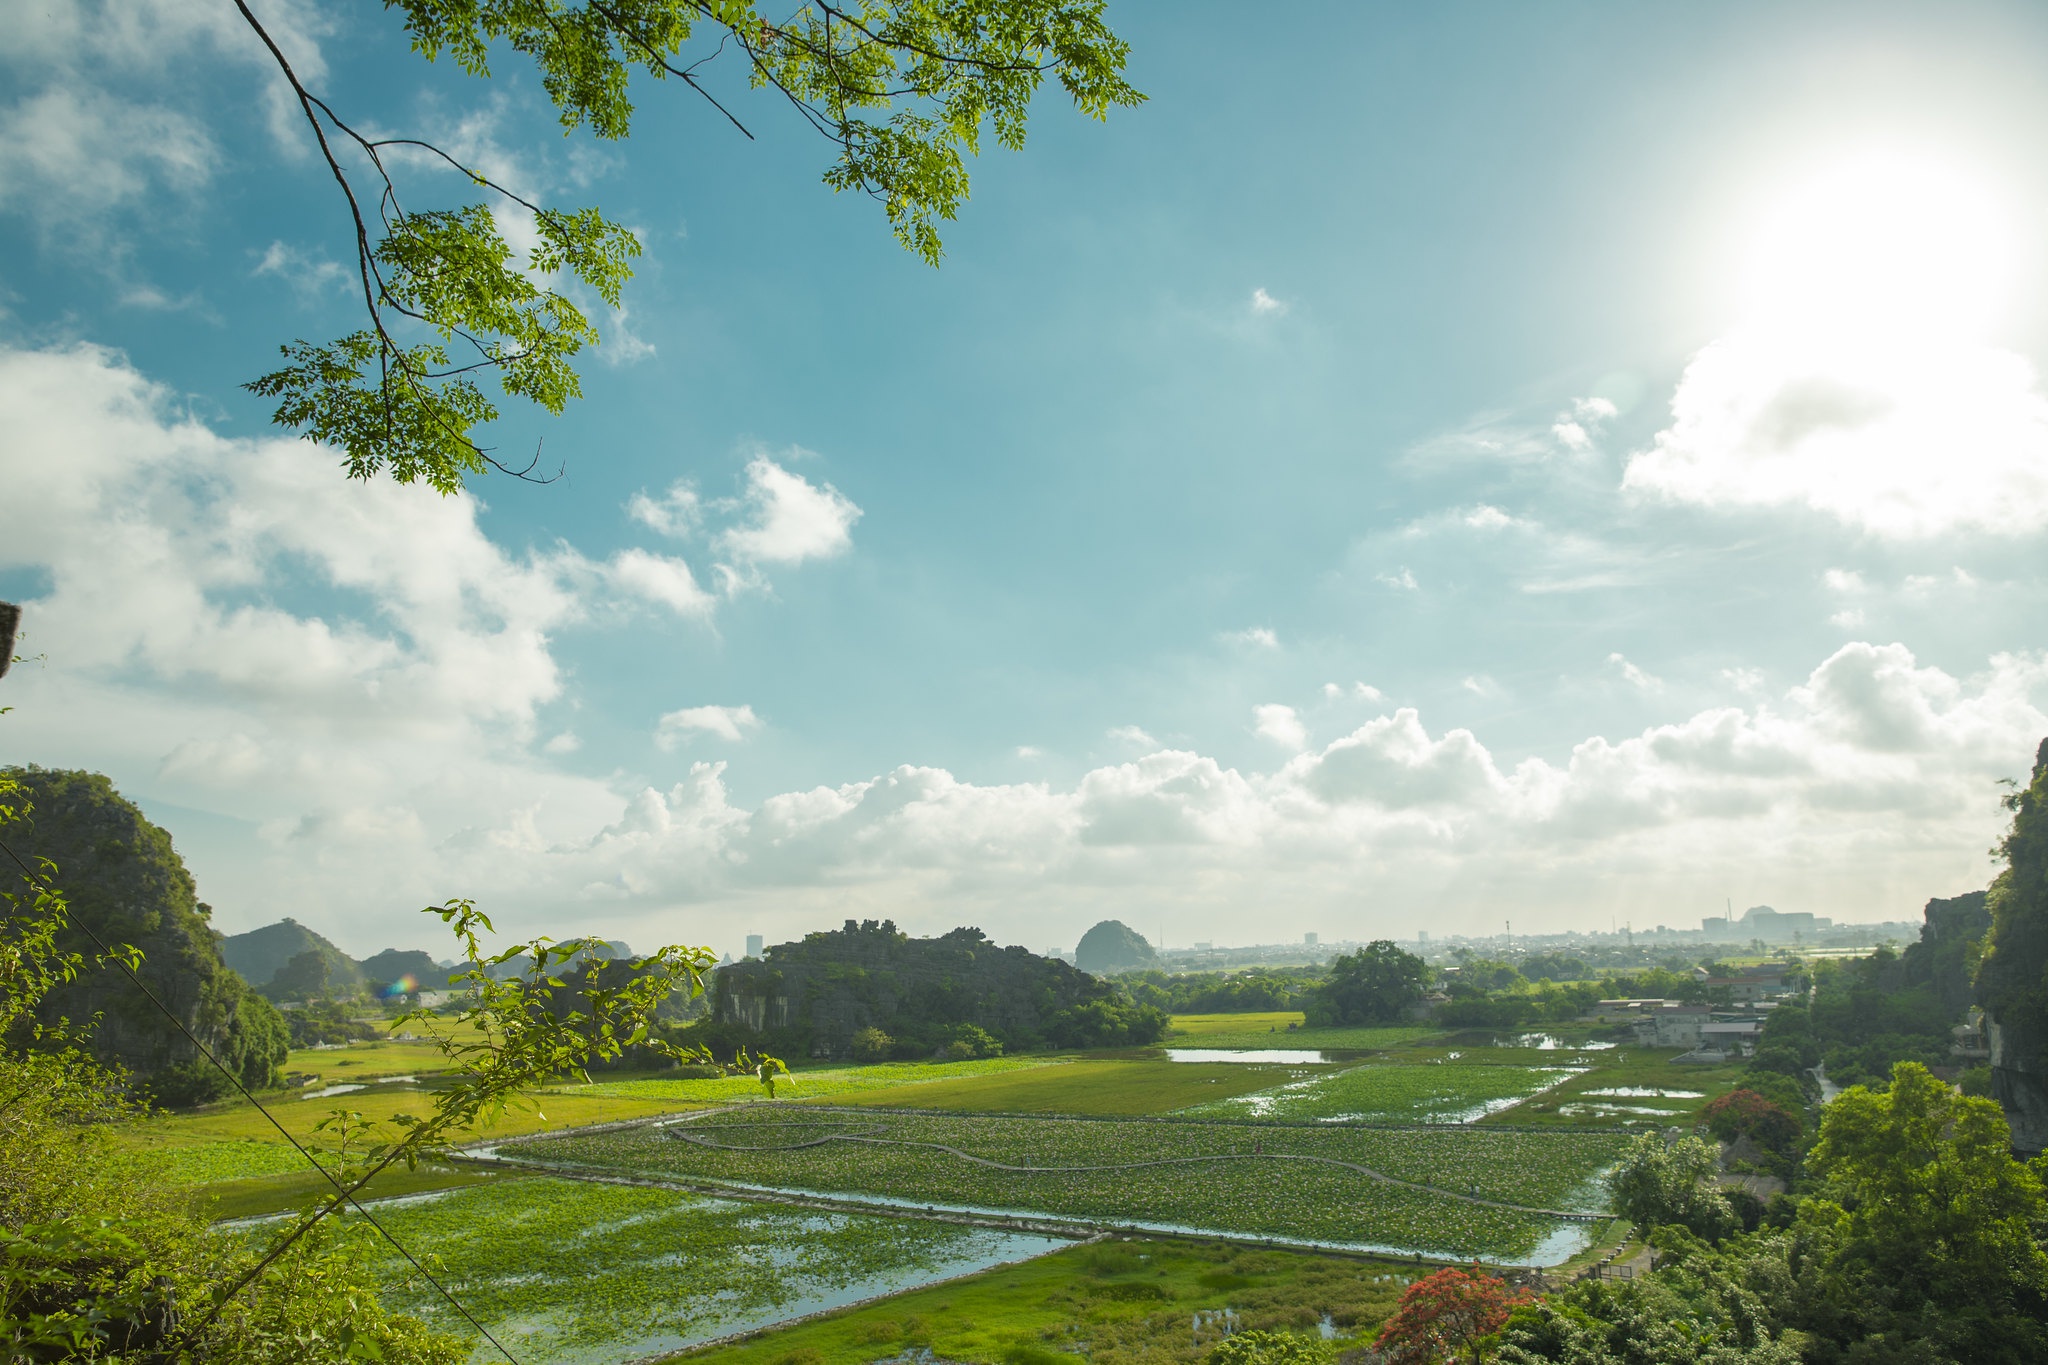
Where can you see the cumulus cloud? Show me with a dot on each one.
(1265, 305)
(1404, 580)
(788, 519)
(1254, 637)
(661, 579)
(729, 723)
(1367, 692)
(1134, 736)
(1902, 440)
(1281, 724)
(382, 749)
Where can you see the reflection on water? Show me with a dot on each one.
(1550, 1042)
(350, 1087)
(1645, 1092)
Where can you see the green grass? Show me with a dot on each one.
(1124, 1303)
(1393, 1093)
(1201, 1025)
(574, 1271)
(1091, 1087)
(291, 1192)
(1252, 1033)
(1254, 1178)
(831, 1083)
(235, 1142)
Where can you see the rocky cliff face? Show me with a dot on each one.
(810, 998)
(2012, 982)
(121, 876)
(2021, 1091)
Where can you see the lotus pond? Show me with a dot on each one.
(1439, 1093)
(1302, 1183)
(582, 1272)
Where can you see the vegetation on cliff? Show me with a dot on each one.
(125, 881)
(1112, 946)
(871, 990)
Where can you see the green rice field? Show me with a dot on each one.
(1298, 1182)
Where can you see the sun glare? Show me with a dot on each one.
(1882, 246)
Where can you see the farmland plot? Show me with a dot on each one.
(1445, 1093)
(575, 1271)
(1442, 1191)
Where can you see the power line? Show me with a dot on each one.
(107, 954)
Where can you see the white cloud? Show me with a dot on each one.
(1135, 737)
(77, 153)
(1265, 305)
(360, 757)
(1748, 680)
(1899, 439)
(621, 345)
(1030, 751)
(788, 518)
(564, 743)
(310, 276)
(1848, 618)
(1254, 637)
(1281, 724)
(1332, 691)
(1488, 518)
(1367, 692)
(729, 723)
(109, 111)
(1636, 677)
(661, 579)
(1479, 685)
(1404, 580)
(676, 513)
(1844, 581)
(1576, 430)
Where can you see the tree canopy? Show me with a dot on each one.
(1375, 985)
(903, 90)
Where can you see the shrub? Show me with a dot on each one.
(1272, 1348)
(872, 1045)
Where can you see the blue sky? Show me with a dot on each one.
(1426, 467)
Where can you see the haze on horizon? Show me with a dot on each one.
(1475, 465)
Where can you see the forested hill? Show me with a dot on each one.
(871, 990)
(125, 882)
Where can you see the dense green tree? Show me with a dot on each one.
(1378, 984)
(1934, 1214)
(305, 977)
(1663, 1180)
(902, 90)
(871, 1045)
(2012, 981)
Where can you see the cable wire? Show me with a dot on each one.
(107, 954)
